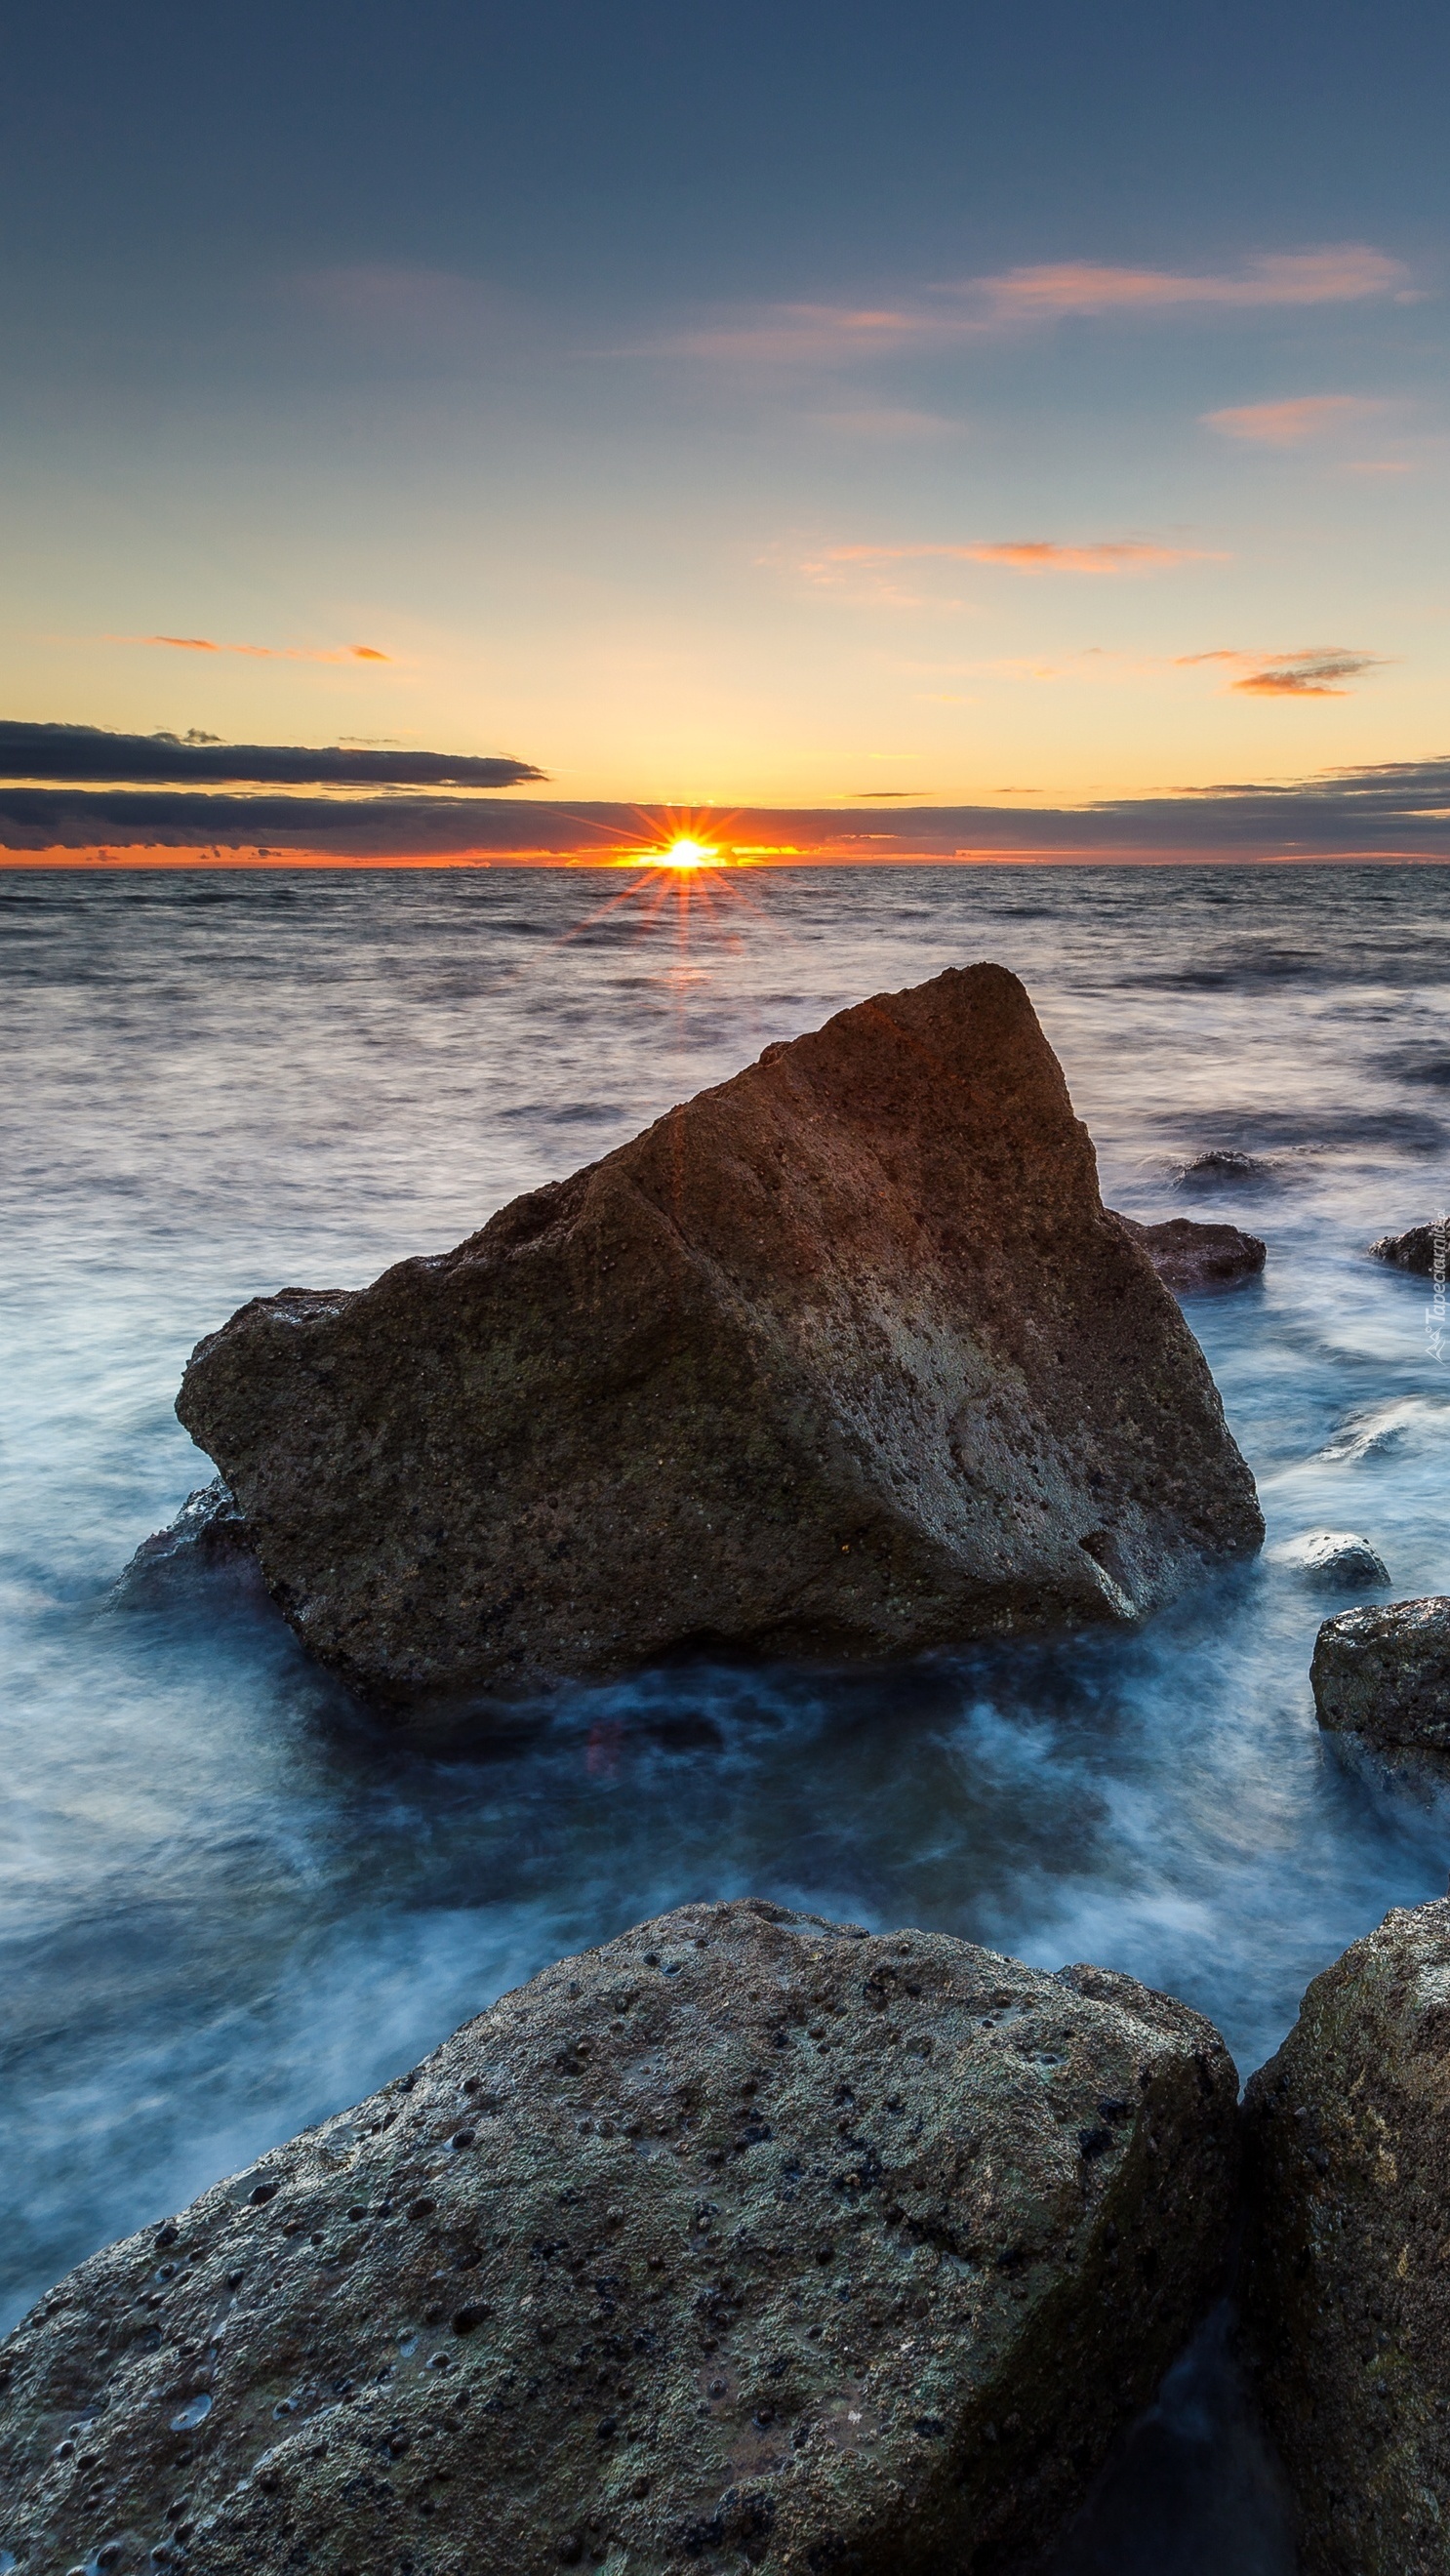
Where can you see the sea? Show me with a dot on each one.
(232, 1901)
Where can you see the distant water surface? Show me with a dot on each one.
(231, 1904)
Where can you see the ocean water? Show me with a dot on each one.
(231, 1902)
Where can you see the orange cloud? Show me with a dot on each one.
(257, 652)
(807, 334)
(1319, 672)
(1289, 424)
(1341, 275)
(1027, 554)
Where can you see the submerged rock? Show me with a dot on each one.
(1331, 1560)
(1190, 1257)
(1346, 2286)
(208, 1531)
(1413, 1250)
(1384, 1673)
(1224, 1165)
(744, 2240)
(843, 1358)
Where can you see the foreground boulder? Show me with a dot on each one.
(1415, 1250)
(1384, 1673)
(1190, 1258)
(1347, 2289)
(745, 2240)
(844, 1358)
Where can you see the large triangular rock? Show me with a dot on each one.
(843, 1358)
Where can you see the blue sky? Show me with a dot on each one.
(794, 407)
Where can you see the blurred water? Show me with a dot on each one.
(230, 1903)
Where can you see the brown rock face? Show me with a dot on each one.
(1347, 2286)
(1384, 1673)
(1190, 1258)
(844, 1358)
(743, 2241)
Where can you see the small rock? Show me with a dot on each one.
(1416, 1250)
(1331, 1561)
(1384, 1673)
(1014, 2296)
(1190, 1257)
(208, 1533)
(1345, 2290)
(1223, 1166)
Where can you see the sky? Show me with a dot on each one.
(888, 430)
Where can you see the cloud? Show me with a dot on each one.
(61, 753)
(974, 307)
(257, 652)
(1342, 274)
(1318, 673)
(1024, 554)
(1398, 811)
(1291, 423)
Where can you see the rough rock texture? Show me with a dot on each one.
(1414, 1250)
(1190, 1257)
(1331, 1560)
(744, 2241)
(1384, 1673)
(1347, 2287)
(843, 1358)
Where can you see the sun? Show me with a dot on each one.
(683, 853)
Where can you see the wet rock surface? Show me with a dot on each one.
(843, 1358)
(207, 1533)
(1414, 1250)
(1224, 1167)
(1190, 1257)
(1347, 2288)
(1332, 1560)
(1383, 1672)
(745, 2240)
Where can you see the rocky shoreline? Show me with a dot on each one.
(752, 2239)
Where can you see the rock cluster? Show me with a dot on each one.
(746, 2240)
(843, 1358)
(1190, 1257)
(1384, 1673)
(1347, 2287)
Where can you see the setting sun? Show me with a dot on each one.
(684, 854)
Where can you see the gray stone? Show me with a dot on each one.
(1191, 1258)
(1331, 1560)
(1346, 2286)
(1384, 1673)
(1414, 1250)
(744, 2240)
(844, 1358)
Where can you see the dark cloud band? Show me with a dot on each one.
(84, 754)
(1402, 810)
